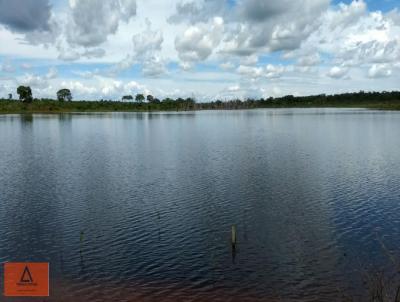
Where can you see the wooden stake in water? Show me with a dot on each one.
(233, 236)
(233, 242)
(80, 245)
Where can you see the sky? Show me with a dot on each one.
(206, 49)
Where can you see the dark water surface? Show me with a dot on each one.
(311, 191)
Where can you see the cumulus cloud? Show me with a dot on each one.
(147, 42)
(104, 88)
(394, 15)
(270, 71)
(267, 26)
(198, 41)
(249, 60)
(35, 81)
(227, 65)
(273, 71)
(120, 66)
(259, 11)
(379, 71)
(371, 52)
(78, 89)
(309, 60)
(154, 67)
(33, 19)
(100, 87)
(346, 14)
(94, 53)
(252, 72)
(92, 21)
(25, 15)
(197, 11)
(67, 54)
(147, 46)
(337, 72)
(242, 91)
(39, 81)
(354, 36)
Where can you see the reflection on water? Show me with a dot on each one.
(139, 206)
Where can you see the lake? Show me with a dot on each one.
(139, 206)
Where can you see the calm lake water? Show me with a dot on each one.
(314, 193)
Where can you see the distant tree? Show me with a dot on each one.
(127, 98)
(190, 100)
(168, 100)
(10, 96)
(150, 98)
(156, 101)
(25, 93)
(139, 98)
(64, 95)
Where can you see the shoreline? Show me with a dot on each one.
(77, 111)
(361, 100)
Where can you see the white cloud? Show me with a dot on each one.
(154, 67)
(103, 88)
(227, 65)
(147, 42)
(346, 15)
(78, 89)
(269, 71)
(42, 83)
(309, 60)
(94, 53)
(272, 26)
(34, 80)
(197, 11)
(337, 72)
(379, 71)
(198, 41)
(25, 15)
(273, 71)
(353, 36)
(249, 60)
(69, 55)
(147, 46)
(92, 21)
(252, 72)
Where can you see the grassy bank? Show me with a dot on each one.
(374, 100)
(52, 106)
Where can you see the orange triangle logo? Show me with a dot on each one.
(26, 276)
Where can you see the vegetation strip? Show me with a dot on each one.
(64, 103)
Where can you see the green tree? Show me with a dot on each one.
(139, 98)
(64, 95)
(127, 98)
(25, 93)
(150, 98)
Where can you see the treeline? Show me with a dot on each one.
(361, 99)
(64, 103)
(50, 105)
